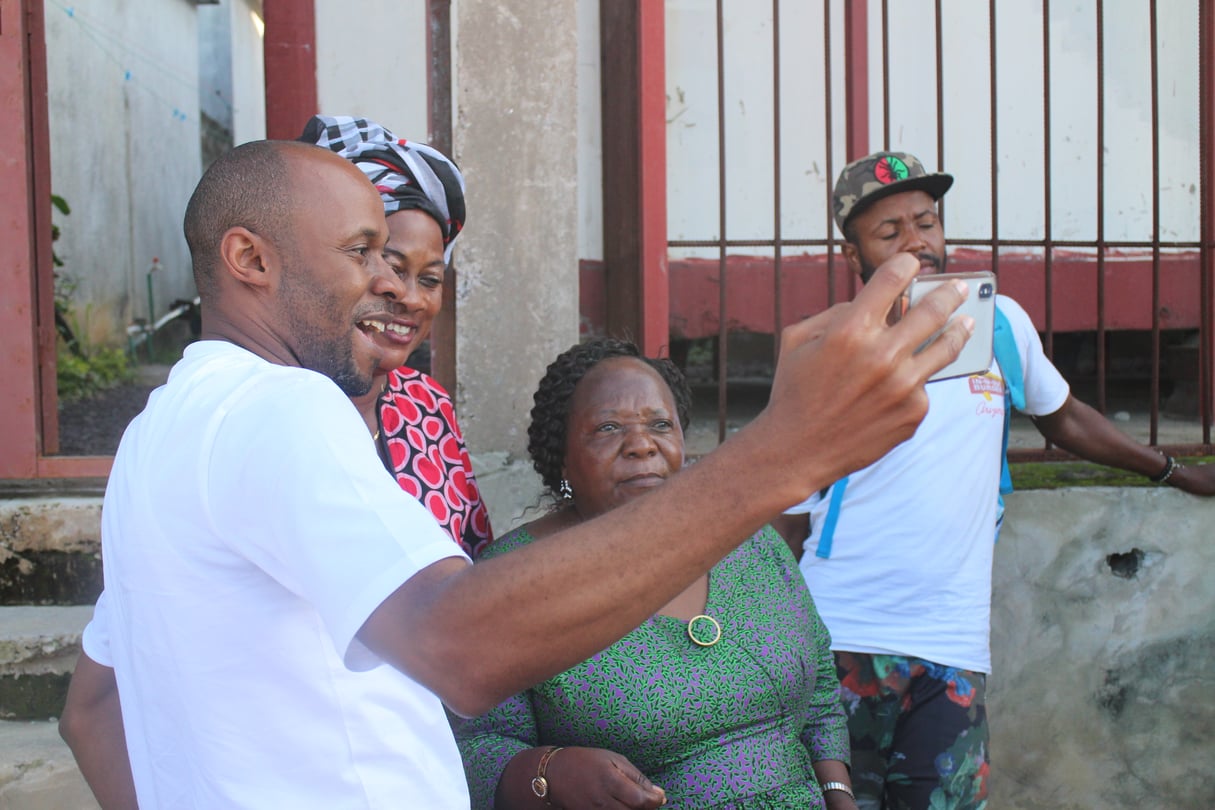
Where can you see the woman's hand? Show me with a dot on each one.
(597, 777)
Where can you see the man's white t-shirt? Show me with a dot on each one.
(248, 531)
(909, 572)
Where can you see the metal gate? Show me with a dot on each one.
(1081, 139)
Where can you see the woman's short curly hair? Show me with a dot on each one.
(550, 414)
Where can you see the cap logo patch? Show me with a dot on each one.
(890, 170)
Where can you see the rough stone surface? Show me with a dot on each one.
(50, 550)
(49, 524)
(37, 771)
(1103, 637)
(511, 489)
(38, 650)
(38, 640)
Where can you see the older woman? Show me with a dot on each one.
(410, 415)
(726, 697)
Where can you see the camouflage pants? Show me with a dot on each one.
(919, 733)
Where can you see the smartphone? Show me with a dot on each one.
(980, 304)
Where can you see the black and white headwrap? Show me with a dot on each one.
(407, 174)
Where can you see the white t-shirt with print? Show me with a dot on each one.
(248, 531)
(910, 566)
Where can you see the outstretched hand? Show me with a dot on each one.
(597, 777)
(849, 385)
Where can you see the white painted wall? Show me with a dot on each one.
(123, 108)
(232, 67)
(373, 64)
(248, 69)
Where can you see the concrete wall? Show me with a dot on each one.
(123, 82)
(1103, 636)
(232, 68)
(516, 140)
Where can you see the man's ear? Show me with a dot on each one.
(244, 256)
(852, 256)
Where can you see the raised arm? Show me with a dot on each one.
(847, 389)
(1085, 432)
(91, 725)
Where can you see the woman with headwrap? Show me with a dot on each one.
(409, 414)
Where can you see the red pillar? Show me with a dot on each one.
(290, 62)
(634, 178)
(19, 396)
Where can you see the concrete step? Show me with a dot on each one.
(38, 650)
(37, 771)
(50, 549)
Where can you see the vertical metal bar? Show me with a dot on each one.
(856, 111)
(1155, 386)
(856, 78)
(885, 76)
(438, 124)
(995, 153)
(940, 83)
(829, 128)
(1101, 369)
(1206, 251)
(43, 271)
(1048, 253)
(722, 350)
(776, 194)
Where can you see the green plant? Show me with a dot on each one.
(80, 377)
(82, 370)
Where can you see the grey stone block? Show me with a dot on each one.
(38, 651)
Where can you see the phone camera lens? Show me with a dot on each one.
(985, 291)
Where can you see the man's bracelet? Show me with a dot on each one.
(1170, 467)
(840, 786)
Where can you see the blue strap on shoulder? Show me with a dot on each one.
(833, 516)
(1004, 347)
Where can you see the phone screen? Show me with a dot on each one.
(980, 304)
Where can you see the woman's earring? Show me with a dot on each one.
(567, 493)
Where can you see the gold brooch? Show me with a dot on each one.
(708, 635)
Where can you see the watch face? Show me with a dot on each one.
(540, 786)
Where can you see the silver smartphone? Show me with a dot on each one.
(980, 304)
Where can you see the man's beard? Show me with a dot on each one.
(925, 257)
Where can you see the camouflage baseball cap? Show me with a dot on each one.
(865, 181)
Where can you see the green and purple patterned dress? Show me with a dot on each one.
(736, 725)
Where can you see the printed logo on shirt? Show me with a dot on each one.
(987, 385)
(991, 388)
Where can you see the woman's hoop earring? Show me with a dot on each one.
(567, 492)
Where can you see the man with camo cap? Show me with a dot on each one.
(899, 554)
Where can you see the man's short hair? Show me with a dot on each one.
(863, 182)
(250, 187)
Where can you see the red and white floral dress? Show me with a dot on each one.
(423, 447)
